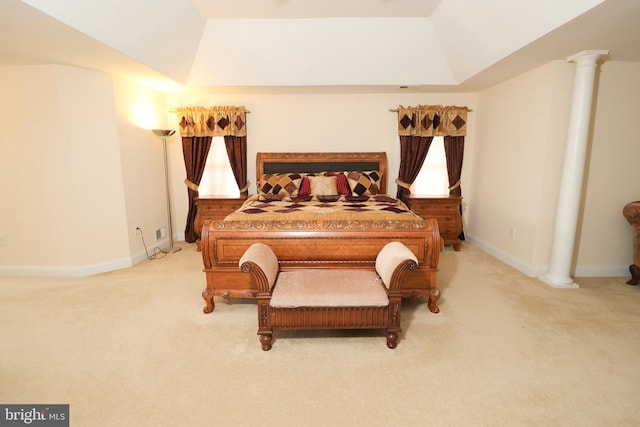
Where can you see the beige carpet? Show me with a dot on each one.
(133, 348)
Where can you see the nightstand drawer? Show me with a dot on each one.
(445, 210)
(218, 208)
(215, 208)
(437, 207)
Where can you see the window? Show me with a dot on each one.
(433, 179)
(218, 179)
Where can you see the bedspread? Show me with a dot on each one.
(326, 208)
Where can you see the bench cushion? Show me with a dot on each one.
(328, 288)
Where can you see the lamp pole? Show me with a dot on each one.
(164, 134)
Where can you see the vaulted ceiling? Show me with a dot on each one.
(428, 45)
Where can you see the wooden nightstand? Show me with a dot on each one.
(215, 208)
(445, 210)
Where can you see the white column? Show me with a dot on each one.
(572, 174)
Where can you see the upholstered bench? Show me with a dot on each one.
(312, 298)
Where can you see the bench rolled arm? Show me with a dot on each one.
(262, 263)
(393, 261)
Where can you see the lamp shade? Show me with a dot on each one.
(163, 132)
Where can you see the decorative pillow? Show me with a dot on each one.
(324, 185)
(364, 183)
(305, 187)
(284, 184)
(343, 185)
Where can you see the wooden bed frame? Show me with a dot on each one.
(317, 244)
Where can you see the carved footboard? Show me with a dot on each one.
(335, 245)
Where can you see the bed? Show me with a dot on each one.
(320, 230)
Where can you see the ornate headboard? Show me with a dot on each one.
(320, 162)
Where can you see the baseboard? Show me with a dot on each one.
(510, 260)
(86, 270)
(602, 271)
(65, 271)
(539, 270)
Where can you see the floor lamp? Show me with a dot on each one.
(164, 134)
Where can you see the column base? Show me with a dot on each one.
(559, 282)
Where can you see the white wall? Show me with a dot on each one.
(32, 180)
(521, 134)
(319, 51)
(63, 176)
(90, 163)
(139, 110)
(517, 165)
(613, 172)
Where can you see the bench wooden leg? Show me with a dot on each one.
(265, 331)
(265, 340)
(392, 340)
(434, 294)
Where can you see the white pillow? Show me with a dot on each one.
(324, 185)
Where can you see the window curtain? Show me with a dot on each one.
(237, 152)
(413, 151)
(454, 150)
(198, 125)
(418, 124)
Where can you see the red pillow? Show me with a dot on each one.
(343, 184)
(305, 187)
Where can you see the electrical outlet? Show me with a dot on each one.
(161, 233)
(512, 232)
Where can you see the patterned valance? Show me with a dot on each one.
(432, 120)
(212, 121)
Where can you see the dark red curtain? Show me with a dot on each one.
(413, 151)
(195, 150)
(237, 153)
(454, 151)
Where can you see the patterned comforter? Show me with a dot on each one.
(325, 208)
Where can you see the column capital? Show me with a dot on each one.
(587, 56)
